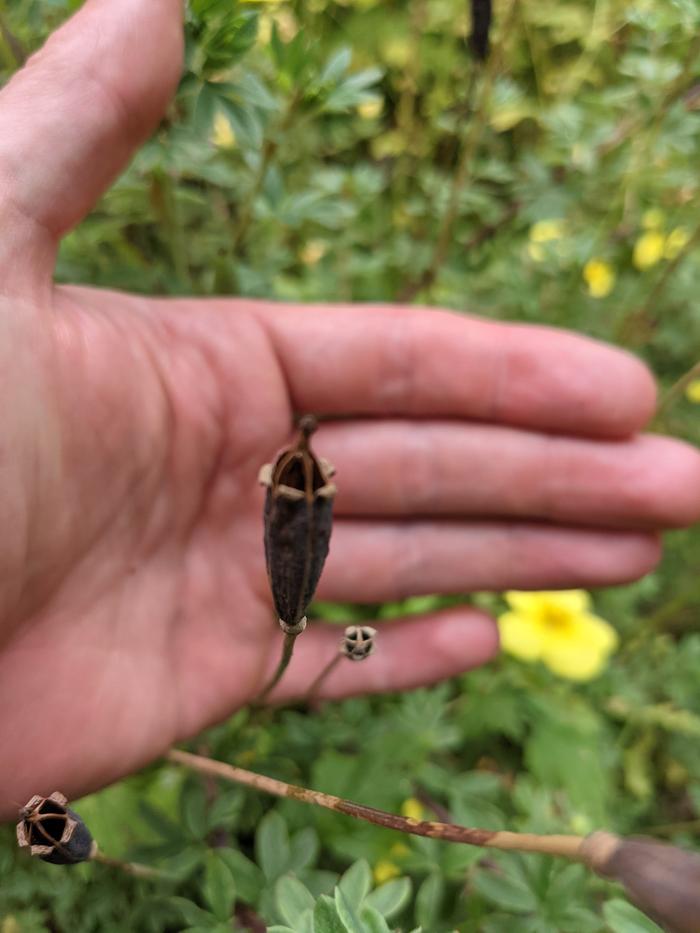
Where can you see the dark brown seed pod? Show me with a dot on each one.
(298, 517)
(358, 642)
(481, 25)
(662, 880)
(53, 832)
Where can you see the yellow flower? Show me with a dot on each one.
(545, 230)
(312, 252)
(222, 133)
(653, 219)
(369, 109)
(692, 391)
(412, 808)
(399, 850)
(675, 242)
(558, 629)
(385, 870)
(599, 276)
(648, 249)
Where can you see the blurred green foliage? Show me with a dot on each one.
(354, 150)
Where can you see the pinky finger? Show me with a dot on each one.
(410, 653)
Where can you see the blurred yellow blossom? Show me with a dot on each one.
(397, 51)
(222, 133)
(384, 871)
(653, 219)
(369, 109)
(677, 240)
(692, 391)
(599, 276)
(312, 252)
(648, 249)
(558, 629)
(412, 808)
(400, 850)
(543, 231)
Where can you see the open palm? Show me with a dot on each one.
(134, 606)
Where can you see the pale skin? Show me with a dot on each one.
(134, 606)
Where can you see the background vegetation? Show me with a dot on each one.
(355, 150)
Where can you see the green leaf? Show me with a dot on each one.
(373, 921)
(336, 66)
(429, 900)
(248, 878)
(218, 888)
(505, 891)
(622, 917)
(192, 914)
(356, 882)
(204, 109)
(272, 846)
(326, 919)
(348, 913)
(304, 849)
(391, 897)
(292, 898)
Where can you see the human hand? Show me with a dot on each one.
(134, 604)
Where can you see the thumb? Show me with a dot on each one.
(73, 116)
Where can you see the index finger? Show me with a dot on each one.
(386, 360)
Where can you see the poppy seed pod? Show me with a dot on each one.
(53, 832)
(298, 517)
(358, 642)
(662, 880)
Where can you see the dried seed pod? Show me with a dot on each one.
(298, 517)
(359, 642)
(662, 880)
(481, 25)
(53, 832)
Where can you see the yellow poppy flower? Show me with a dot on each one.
(384, 871)
(558, 629)
(222, 133)
(675, 242)
(692, 391)
(312, 252)
(648, 249)
(599, 276)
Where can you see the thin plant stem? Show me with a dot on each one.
(131, 868)
(676, 390)
(564, 846)
(472, 139)
(325, 672)
(286, 657)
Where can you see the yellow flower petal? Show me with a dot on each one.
(676, 241)
(370, 109)
(521, 636)
(573, 600)
(536, 252)
(574, 661)
(692, 391)
(385, 870)
(222, 132)
(599, 276)
(648, 249)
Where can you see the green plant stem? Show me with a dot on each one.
(564, 846)
(286, 657)
(131, 868)
(323, 674)
(246, 212)
(11, 46)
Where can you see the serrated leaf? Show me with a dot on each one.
(272, 846)
(391, 897)
(292, 898)
(218, 887)
(356, 882)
